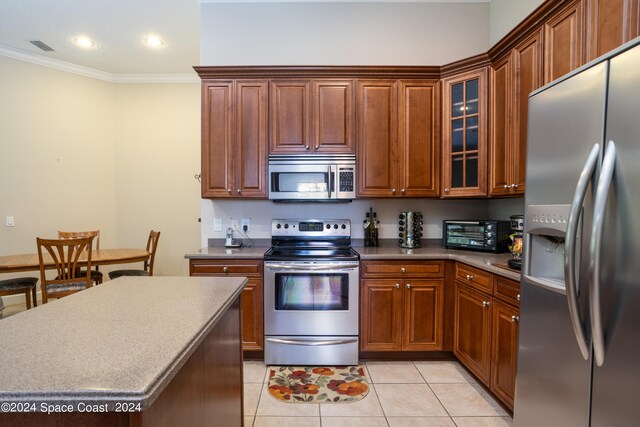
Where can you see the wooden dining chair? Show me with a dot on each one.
(65, 254)
(20, 285)
(152, 245)
(96, 275)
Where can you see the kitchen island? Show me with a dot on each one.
(132, 351)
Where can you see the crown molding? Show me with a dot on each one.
(92, 72)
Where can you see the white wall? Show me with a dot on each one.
(57, 155)
(505, 15)
(342, 33)
(157, 142)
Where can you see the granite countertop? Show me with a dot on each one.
(122, 341)
(483, 260)
(389, 250)
(222, 252)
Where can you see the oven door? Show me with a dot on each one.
(302, 182)
(311, 298)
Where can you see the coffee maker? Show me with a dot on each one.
(517, 227)
(410, 229)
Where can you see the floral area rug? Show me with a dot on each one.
(307, 384)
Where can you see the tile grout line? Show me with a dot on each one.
(434, 393)
(386, 420)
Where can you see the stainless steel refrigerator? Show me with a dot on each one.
(579, 348)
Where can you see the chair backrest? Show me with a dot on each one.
(66, 255)
(80, 234)
(152, 245)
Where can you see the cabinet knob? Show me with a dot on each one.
(402, 191)
(469, 277)
(506, 186)
(317, 146)
(397, 285)
(228, 190)
(518, 297)
(486, 303)
(238, 191)
(403, 270)
(306, 147)
(515, 318)
(393, 190)
(408, 285)
(446, 190)
(225, 269)
(514, 185)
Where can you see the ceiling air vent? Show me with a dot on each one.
(42, 46)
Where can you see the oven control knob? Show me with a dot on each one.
(400, 228)
(401, 216)
(279, 226)
(286, 226)
(344, 226)
(335, 226)
(328, 226)
(401, 235)
(489, 242)
(489, 227)
(489, 234)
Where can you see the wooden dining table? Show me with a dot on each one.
(30, 262)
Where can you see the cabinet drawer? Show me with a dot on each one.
(507, 290)
(479, 279)
(402, 269)
(225, 267)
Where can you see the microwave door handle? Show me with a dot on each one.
(595, 250)
(569, 253)
(329, 182)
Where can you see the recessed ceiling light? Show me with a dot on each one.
(83, 41)
(153, 41)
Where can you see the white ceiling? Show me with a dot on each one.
(117, 26)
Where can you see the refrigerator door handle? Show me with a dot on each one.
(595, 250)
(570, 249)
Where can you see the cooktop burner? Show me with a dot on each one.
(311, 239)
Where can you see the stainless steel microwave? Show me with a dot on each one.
(312, 178)
(486, 236)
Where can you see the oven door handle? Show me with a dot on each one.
(311, 343)
(311, 268)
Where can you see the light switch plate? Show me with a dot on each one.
(217, 224)
(9, 221)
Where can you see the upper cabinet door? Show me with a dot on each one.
(563, 42)
(501, 129)
(527, 63)
(250, 146)
(464, 142)
(289, 117)
(419, 153)
(217, 134)
(377, 138)
(610, 23)
(333, 116)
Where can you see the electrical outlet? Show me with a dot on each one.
(245, 222)
(233, 224)
(217, 224)
(9, 221)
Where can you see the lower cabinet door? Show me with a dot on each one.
(381, 315)
(472, 332)
(423, 315)
(252, 307)
(504, 352)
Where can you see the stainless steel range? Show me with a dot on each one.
(311, 293)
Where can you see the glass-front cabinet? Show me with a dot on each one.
(464, 165)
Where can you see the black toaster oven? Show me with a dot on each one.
(486, 236)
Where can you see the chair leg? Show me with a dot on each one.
(34, 296)
(27, 297)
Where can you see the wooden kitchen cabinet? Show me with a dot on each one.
(464, 135)
(563, 41)
(610, 23)
(312, 116)
(504, 352)
(402, 306)
(472, 330)
(486, 328)
(513, 78)
(252, 294)
(234, 138)
(398, 149)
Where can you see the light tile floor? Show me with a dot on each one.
(402, 394)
